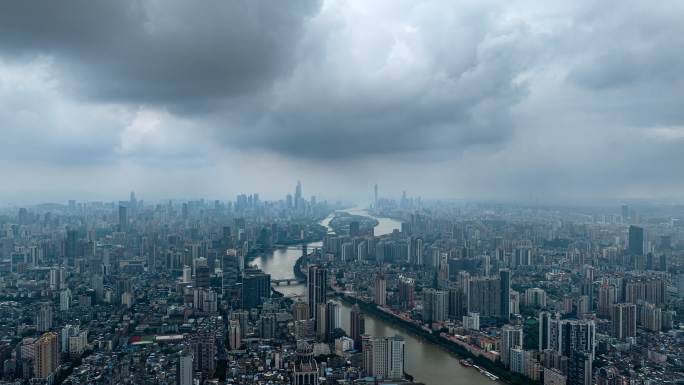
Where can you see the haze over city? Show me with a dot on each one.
(341, 192)
(486, 100)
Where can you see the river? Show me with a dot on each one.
(426, 362)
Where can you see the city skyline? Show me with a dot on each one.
(520, 101)
(341, 192)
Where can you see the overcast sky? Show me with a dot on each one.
(555, 101)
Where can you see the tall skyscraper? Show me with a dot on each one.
(123, 218)
(636, 240)
(458, 305)
(484, 296)
(46, 355)
(333, 319)
(625, 213)
(407, 287)
(202, 273)
(576, 336)
(44, 317)
(234, 334)
(375, 196)
(608, 296)
(587, 289)
(267, 326)
(70, 247)
(320, 322)
(204, 352)
(317, 283)
(505, 294)
(580, 369)
(380, 290)
(624, 320)
(511, 338)
(548, 331)
(184, 368)
(300, 311)
(256, 286)
(435, 305)
(298, 196)
(64, 300)
(357, 325)
(230, 266)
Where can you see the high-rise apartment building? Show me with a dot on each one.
(357, 325)
(383, 357)
(234, 334)
(333, 319)
(317, 284)
(184, 368)
(485, 296)
(380, 290)
(300, 311)
(505, 294)
(511, 338)
(608, 296)
(624, 320)
(406, 293)
(435, 305)
(204, 352)
(46, 355)
(44, 317)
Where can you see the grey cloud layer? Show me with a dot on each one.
(178, 52)
(578, 98)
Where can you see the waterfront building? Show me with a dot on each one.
(435, 305)
(381, 290)
(317, 284)
(356, 325)
(407, 288)
(383, 357)
(484, 296)
(511, 338)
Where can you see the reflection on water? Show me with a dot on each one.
(385, 225)
(426, 362)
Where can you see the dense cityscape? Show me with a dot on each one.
(341, 192)
(257, 292)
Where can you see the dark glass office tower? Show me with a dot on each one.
(636, 240)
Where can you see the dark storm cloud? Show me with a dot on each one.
(388, 84)
(186, 54)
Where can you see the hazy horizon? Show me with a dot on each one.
(523, 101)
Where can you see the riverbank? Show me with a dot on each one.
(456, 350)
(297, 268)
(258, 251)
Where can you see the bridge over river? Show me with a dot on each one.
(287, 281)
